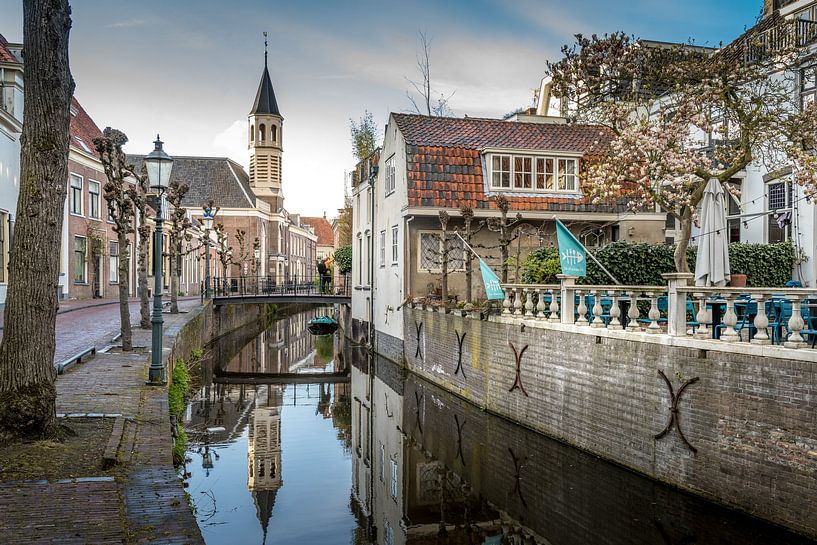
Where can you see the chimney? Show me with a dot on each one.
(768, 7)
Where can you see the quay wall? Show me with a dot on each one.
(742, 432)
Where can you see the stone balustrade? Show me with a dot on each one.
(760, 316)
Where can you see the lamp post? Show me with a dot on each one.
(158, 165)
(209, 216)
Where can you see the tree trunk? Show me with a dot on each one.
(444, 269)
(174, 276)
(142, 274)
(504, 242)
(682, 243)
(124, 292)
(27, 393)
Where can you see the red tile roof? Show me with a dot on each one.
(479, 134)
(83, 130)
(444, 159)
(322, 227)
(5, 54)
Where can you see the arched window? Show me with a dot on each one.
(261, 132)
(273, 133)
(252, 133)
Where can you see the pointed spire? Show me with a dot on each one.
(265, 102)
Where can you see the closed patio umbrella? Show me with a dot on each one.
(712, 264)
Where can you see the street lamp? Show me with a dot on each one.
(158, 165)
(209, 216)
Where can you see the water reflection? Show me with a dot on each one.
(389, 459)
(246, 438)
(429, 467)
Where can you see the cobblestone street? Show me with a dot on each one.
(146, 503)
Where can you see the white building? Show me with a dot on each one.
(431, 164)
(11, 127)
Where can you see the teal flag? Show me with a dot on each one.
(492, 288)
(572, 254)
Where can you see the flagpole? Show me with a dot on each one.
(588, 252)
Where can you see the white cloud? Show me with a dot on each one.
(232, 142)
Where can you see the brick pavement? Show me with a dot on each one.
(147, 504)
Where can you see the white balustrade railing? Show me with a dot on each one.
(761, 316)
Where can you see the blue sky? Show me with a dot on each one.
(190, 69)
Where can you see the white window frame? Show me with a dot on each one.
(84, 280)
(560, 175)
(71, 178)
(395, 244)
(382, 248)
(98, 200)
(391, 176)
(808, 94)
(789, 195)
(437, 268)
(113, 261)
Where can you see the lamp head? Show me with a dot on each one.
(159, 165)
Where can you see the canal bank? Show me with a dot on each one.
(736, 428)
(125, 489)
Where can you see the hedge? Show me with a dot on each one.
(640, 264)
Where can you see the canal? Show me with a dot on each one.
(384, 457)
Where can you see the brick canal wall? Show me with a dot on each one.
(749, 422)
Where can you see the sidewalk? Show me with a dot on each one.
(145, 502)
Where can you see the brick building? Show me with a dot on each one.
(90, 253)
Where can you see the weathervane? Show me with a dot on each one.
(265, 48)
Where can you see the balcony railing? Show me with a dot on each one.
(781, 35)
(784, 317)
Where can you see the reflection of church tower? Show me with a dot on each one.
(264, 451)
(265, 140)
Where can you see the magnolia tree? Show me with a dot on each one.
(678, 116)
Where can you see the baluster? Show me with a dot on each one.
(597, 310)
(702, 317)
(554, 307)
(517, 302)
(528, 302)
(506, 303)
(729, 334)
(581, 309)
(633, 313)
(796, 324)
(615, 311)
(654, 314)
(540, 303)
(761, 323)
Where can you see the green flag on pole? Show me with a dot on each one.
(493, 291)
(571, 252)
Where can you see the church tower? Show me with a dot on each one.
(266, 142)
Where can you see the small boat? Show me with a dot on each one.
(323, 325)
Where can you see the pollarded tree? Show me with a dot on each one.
(27, 393)
(121, 210)
(506, 230)
(682, 115)
(139, 192)
(179, 230)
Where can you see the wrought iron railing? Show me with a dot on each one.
(291, 285)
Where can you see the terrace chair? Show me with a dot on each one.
(693, 323)
(745, 308)
(663, 307)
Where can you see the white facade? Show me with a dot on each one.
(361, 276)
(11, 127)
(391, 271)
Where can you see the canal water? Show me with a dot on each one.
(299, 439)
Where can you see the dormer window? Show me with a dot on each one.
(532, 173)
